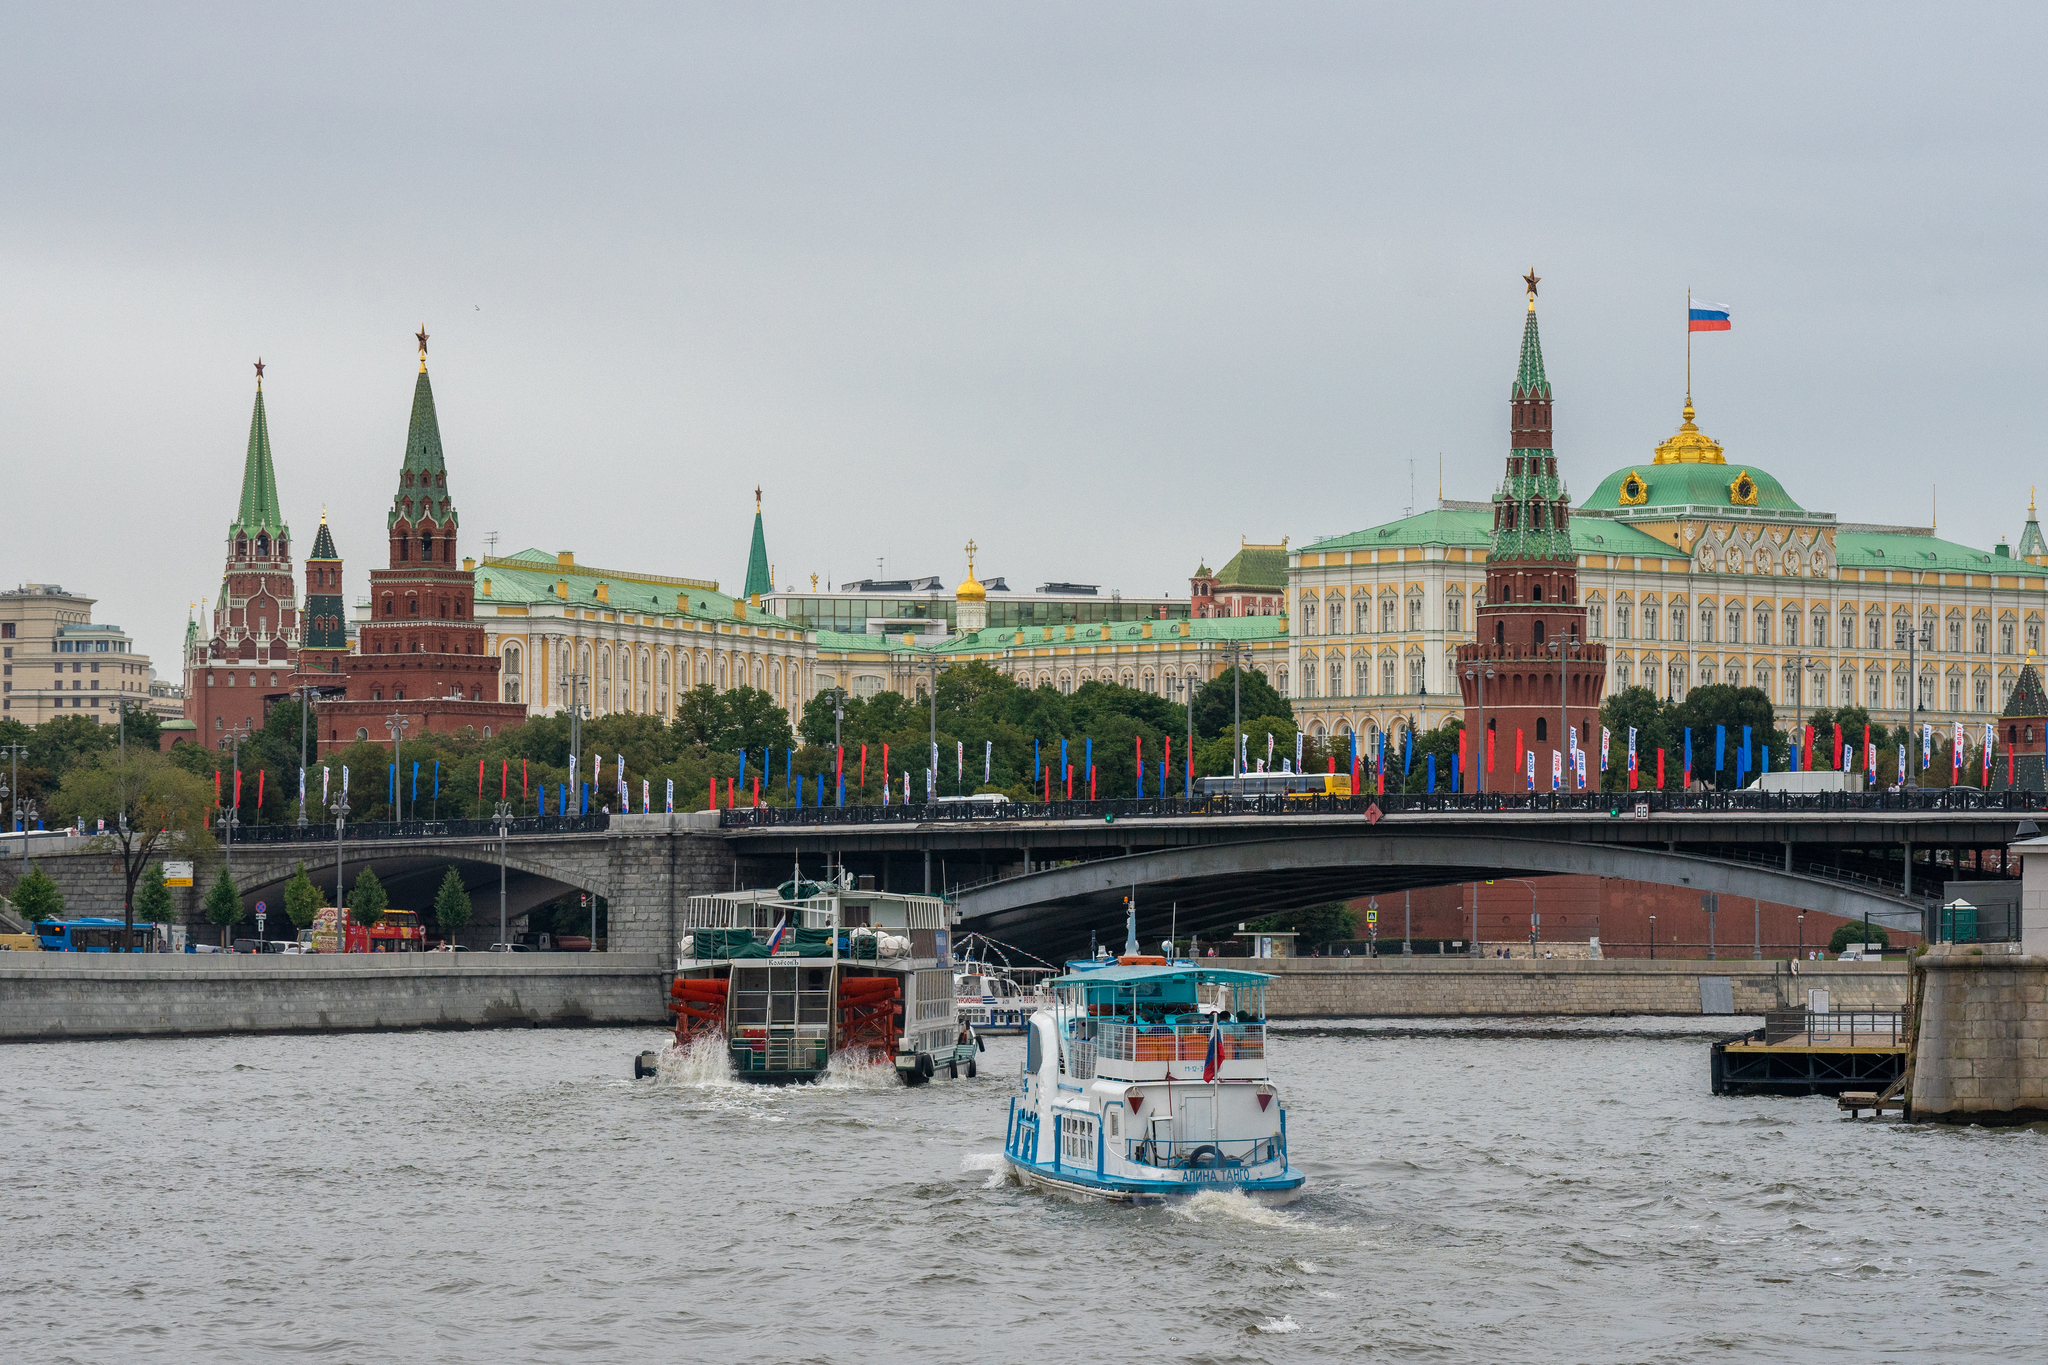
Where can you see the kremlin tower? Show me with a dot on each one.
(1530, 680)
(420, 654)
(246, 661)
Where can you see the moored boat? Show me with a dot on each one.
(994, 996)
(787, 979)
(1137, 1089)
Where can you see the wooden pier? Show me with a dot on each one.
(1798, 1052)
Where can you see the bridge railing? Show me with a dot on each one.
(423, 829)
(1615, 804)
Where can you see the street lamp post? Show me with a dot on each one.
(575, 694)
(1563, 647)
(1479, 672)
(340, 812)
(14, 753)
(503, 817)
(305, 715)
(1653, 937)
(396, 723)
(1915, 639)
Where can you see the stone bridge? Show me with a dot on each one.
(644, 866)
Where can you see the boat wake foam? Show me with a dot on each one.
(1231, 1206)
(997, 1169)
(858, 1069)
(1284, 1323)
(703, 1064)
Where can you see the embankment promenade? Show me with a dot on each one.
(57, 996)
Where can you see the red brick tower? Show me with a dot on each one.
(420, 654)
(323, 634)
(1540, 676)
(246, 660)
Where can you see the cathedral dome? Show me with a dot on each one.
(1689, 470)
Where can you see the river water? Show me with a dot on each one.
(1541, 1191)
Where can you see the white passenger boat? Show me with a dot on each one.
(1133, 1091)
(994, 996)
(790, 977)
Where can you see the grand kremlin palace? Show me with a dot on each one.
(1692, 571)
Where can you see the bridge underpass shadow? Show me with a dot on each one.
(411, 883)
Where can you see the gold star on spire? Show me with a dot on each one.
(422, 335)
(1532, 279)
(757, 497)
(259, 371)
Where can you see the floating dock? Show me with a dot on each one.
(1800, 1052)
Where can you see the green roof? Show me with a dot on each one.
(1255, 566)
(993, 638)
(1689, 485)
(424, 467)
(2031, 542)
(2027, 699)
(530, 577)
(323, 544)
(1529, 377)
(758, 581)
(1895, 550)
(1473, 530)
(259, 510)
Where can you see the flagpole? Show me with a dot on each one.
(1688, 346)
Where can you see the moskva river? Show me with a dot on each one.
(1534, 1192)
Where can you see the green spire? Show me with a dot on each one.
(423, 479)
(758, 579)
(2031, 543)
(1529, 379)
(259, 510)
(323, 544)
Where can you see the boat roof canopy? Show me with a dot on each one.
(1119, 975)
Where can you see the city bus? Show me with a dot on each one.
(1284, 786)
(97, 935)
(398, 932)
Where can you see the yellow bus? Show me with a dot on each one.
(1291, 786)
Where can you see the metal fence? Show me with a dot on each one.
(1613, 804)
(423, 829)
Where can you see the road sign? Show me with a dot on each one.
(1372, 917)
(177, 874)
(1642, 810)
(261, 907)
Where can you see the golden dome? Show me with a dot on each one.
(970, 590)
(1689, 446)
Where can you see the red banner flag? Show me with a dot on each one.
(885, 763)
(260, 772)
(1462, 764)
(505, 779)
(1489, 748)
(863, 764)
(1660, 770)
(238, 789)
(711, 796)
(757, 788)
(216, 789)
(1091, 782)
(1838, 746)
(730, 801)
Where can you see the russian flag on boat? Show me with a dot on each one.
(1213, 1059)
(1706, 317)
(781, 929)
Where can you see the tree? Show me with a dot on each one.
(1214, 703)
(1313, 924)
(1855, 932)
(151, 805)
(367, 900)
(223, 904)
(1652, 720)
(1718, 704)
(144, 728)
(153, 904)
(451, 904)
(302, 899)
(36, 896)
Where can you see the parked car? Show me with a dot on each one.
(247, 945)
(283, 945)
(513, 948)
(448, 948)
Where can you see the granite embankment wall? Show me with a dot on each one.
(1982, 1053)
(56, 996)
(1425, 987)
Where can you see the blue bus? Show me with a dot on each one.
(96, 935)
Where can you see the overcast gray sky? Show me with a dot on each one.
(1102, 286)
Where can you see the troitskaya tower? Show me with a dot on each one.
(420, 653)
(247, 656)
(1530, 680)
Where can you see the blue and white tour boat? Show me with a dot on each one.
(1145, 1079)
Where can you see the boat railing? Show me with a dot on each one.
(1081, 1059)
(1206, 1153)
(1179, 1042)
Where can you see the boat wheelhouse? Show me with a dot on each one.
(789, 977)
(996, 996)
(1146, 1079)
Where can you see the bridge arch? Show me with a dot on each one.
(1220, 883)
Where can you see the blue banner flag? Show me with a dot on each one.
(1457, 784)
(1688, 751)
(1088, 757)
(743, 767)
(586, 798)
(1407, 750)
(1720, 747)
(415, 779)
(437, 779)
(1035, 766)
(1432, 773)
(789, 766)
(391, 796)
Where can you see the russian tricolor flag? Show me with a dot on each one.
(1707, 317)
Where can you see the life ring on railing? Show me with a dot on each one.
(1214, 1159)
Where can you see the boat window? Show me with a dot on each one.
(1033, 1051)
